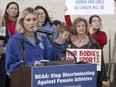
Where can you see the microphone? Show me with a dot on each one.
(41, 30)
(23, 61)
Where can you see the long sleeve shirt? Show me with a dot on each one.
(101, 38)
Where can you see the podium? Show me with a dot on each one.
(53, 73)
(21, 77)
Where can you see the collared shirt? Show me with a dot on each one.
(11, 26)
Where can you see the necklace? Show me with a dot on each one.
(81, 39)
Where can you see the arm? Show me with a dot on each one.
(12, 56)
(53, 51)
(50, 52)
(68, 21)
(57, 46)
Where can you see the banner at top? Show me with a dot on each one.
(84, 7)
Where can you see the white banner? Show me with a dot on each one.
(86, 55)
(84, 7)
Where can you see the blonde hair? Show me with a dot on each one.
(20, 28)
(63, 27)
(78, 20)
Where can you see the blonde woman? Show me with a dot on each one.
(35, 46)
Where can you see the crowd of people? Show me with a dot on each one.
(79, 34)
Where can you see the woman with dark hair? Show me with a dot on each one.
(9, 19)
(95, 25)
(100, 36)
(44, 21)
(8, 25)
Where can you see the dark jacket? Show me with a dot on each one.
(93, 44)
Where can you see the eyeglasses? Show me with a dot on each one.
(96, 21)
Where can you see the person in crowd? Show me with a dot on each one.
(2, 58)
(44, 22)
(9, 19)
(34, 44)
(8, 24)
(63, 30)
(56, 22)
(96, 32)
(81, 40)
(99, 35)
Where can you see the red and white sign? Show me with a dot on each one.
(86, 55)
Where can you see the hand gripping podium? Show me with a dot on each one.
(55, 74)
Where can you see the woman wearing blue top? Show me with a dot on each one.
(35, 46)
(45, 22)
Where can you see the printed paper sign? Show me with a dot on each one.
(83, 7)
(2, 31)
(86, 55)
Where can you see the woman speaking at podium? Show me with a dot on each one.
(35, 46)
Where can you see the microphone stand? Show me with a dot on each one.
(75, 59)
(22, 52)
